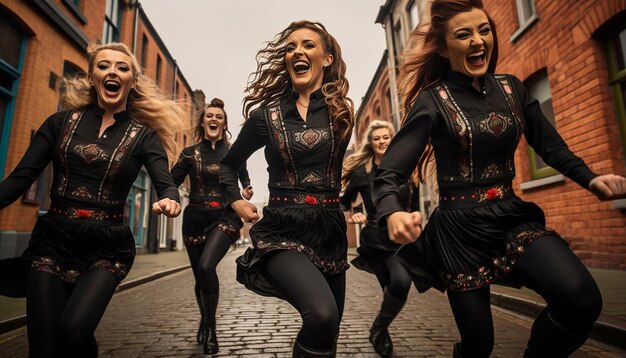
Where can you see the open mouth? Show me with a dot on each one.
(301, 67)
(476, 58)
(213, 126)
(112, 86)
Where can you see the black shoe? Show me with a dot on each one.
(209, 303)
(457, 350)
(379, 334)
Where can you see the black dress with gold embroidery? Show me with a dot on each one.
(84, 227)
(304, 164)
(481, 228)
(374, 244)
(207, 209)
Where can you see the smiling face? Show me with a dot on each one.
(469, 43)
(112, 78)
(305, 58)
(214, 122)
(379, 141)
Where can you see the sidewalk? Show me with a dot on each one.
(146, 268)
(610, 327)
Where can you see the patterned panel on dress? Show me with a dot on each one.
(491, 170)
(91, 153)
(312, 177)
(83, 192)
(495, 125)
(311, 137)
(213, 168)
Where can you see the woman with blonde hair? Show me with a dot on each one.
(482, 232)
(115, 122)
(376, 252)
(303, 118)
(209, 226)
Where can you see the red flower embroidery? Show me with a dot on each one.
(84, 213)
(311, 200)
(214, 204)
(492, 194)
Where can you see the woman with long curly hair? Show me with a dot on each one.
(298, 109)
(471, 120)
(116, 122)
(209, 226)
(376, 252)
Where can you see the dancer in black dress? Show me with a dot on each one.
(209, 226)
(376, 252)
(482, 232)
(81, 249)
(303, 119)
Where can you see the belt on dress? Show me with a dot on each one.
(462, 198)
(329, 200)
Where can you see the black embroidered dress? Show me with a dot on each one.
(207, 208)
(84, 227)
(304, 165)
(481, 228)
(374, 244)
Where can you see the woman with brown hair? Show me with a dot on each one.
(471, 120)
(116, 122)
(376, 252)
(303, 118)
(209, 226)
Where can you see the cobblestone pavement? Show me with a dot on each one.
(159, 319)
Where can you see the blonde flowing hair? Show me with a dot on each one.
(424, 65)
(145, 103)
(365, 155)
(271, 80)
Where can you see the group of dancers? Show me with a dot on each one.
(459, 116)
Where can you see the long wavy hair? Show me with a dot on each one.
(145, 101)
(424, 65)
(199, 128)
(271, 80)
(365, 155)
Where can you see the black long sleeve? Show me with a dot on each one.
(251, 138)
(34, 161)
(548, 143)
(155, 160)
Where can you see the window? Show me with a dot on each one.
(399, 36)
(158, 70)
(135, 209)
(144, 49)
(526, 16)
(414, 18)
(616, 54)
(12, 48)
(539, 88)
(111, 22)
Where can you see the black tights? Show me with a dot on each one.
(393, 276)
(551, 269)
(319, 298)
(204, 260)
(62, 317)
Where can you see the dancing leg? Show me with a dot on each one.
(46, 296)
(216, 246)
(82, 313)
(309, 292)
(574, 301)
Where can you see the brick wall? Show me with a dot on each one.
(562, 42)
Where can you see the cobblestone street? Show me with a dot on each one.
(159, 319)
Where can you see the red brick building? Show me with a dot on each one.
(572, 57)
(40, 42)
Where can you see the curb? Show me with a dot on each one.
(20, 321)
(602, 332)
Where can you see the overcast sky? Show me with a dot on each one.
(215, 43)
